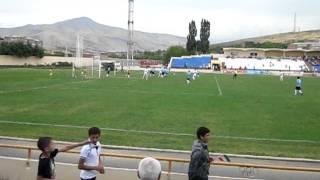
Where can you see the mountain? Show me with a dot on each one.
(97, 37)
(286, 38)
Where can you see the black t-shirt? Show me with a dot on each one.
(46, 168)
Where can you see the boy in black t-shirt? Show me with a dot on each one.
(46, 167)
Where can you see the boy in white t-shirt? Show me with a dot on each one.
(90, 162)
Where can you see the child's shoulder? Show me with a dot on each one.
(43, 156)
(84, 149)
(86, 146)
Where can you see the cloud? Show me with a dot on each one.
(230, 19)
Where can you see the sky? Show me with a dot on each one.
(230, 19)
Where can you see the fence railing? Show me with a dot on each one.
(170, 161)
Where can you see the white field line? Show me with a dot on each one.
(132, 148)
(159, 132)
(94, 89)
(23, 90)
(218, 86)
(119, 169)
(40, 87)
(120, 77)
(136, 91)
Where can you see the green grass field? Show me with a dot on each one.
(259, 108)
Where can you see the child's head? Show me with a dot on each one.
(94, 134)
(45, 144)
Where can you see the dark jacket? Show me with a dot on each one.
(199, 163)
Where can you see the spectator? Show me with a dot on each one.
(46, 167)
(149, 169)
(90, 161)
(200, 159)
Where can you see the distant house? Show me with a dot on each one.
(25, 40)
(305, 45)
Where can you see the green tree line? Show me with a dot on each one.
(20, 49)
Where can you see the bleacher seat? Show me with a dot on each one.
(265, 64)
(194, 62)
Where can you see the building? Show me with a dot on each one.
(25, 40)
(305, 45)
(269, 53)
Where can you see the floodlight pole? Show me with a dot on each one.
(130, 42)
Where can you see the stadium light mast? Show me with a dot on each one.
(79, 51)
(130, 42)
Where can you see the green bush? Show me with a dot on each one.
(174, 51)
(20, 49)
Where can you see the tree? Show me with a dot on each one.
(217, 49)
(191, 38)
(20, 49)
(38, 51)
(153, 55)
(204, 44)
(174, 51)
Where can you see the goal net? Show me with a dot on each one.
(86, 68)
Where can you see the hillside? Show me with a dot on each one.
(285, 38)
(97, 37)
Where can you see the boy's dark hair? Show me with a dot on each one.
(202, 131)
(43, 142)
(93, 131)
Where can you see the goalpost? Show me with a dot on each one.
(85, 68)
(104, 65)
(94, 68)
(77, 62)
(91, 68)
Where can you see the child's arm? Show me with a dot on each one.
(101, 165)
(82, 166)
(72, 146)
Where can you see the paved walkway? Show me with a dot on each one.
(129, 166)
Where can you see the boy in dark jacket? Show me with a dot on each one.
(200, 159)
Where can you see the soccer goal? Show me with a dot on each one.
(108, 67)
(94, 68)
(86, 68)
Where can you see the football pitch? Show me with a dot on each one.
(255, 115)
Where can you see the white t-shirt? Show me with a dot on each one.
(146, 71)
(90, 153)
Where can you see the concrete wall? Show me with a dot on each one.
(313, 53)
(15, 61)
(294, 54)
(243, 53)
(276, 54)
